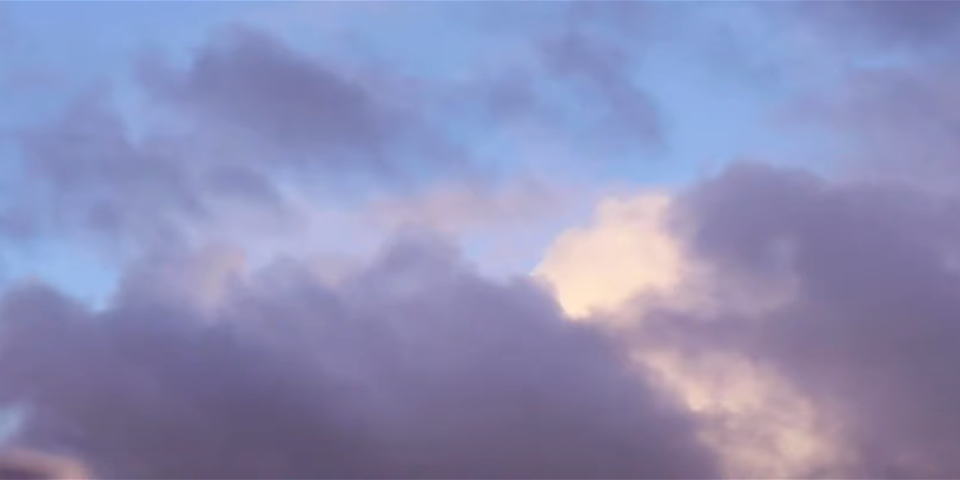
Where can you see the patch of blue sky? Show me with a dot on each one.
(78, 272)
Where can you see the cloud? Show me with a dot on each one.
(262, 88)
(812, 326)
(414, 367)
(870, 330)
(619, 273)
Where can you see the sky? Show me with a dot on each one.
(391, 239)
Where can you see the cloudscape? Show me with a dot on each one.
(479, 240)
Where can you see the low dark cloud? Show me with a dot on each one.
(870, 329)
(414, 368)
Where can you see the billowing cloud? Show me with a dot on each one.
(617, 273)
(815, 330)
(414, 367)
(871, 326)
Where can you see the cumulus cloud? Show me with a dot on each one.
(814, 333)
(618, 273)
(414, 367)
(871, 326)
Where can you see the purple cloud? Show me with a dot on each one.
(870, 330)
(415, 367)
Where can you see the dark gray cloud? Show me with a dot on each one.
(413, 368)
(870, 332)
